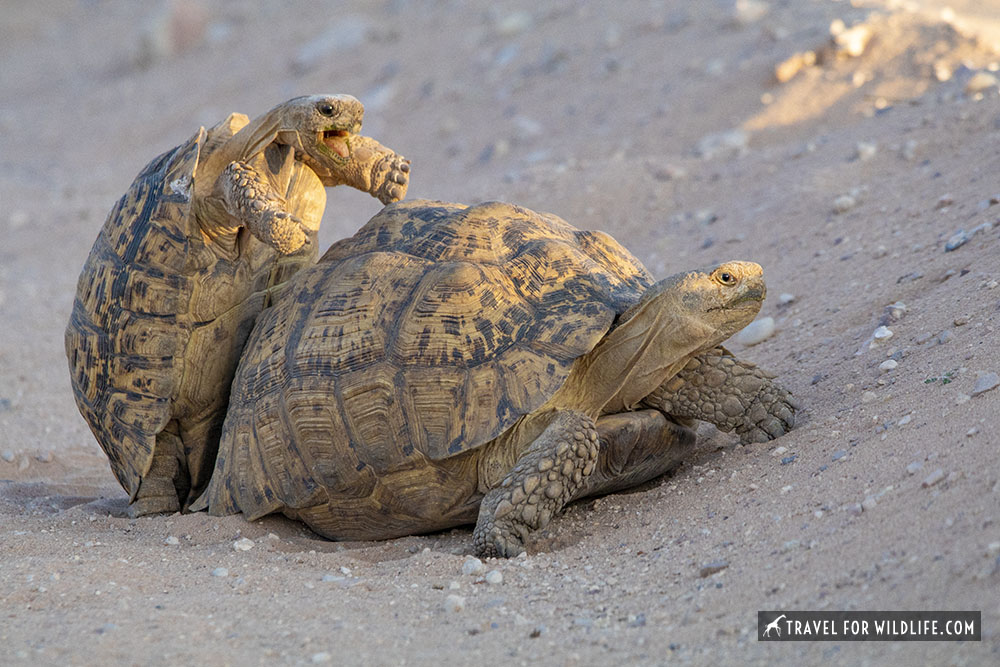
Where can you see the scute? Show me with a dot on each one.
(425, 335)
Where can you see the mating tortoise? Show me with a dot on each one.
(185, 262)
(451, 361)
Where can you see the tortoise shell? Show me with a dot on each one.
(424, 336)
(159, 318)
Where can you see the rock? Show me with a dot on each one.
(932, 478)
(756, 331)
(993, 549)
(746, 12)
(329, 578)
(844, 203)
(730, 142)
(514, 24)
(866, 150)
(171, 540)
(985, 382)
(7, 456)
(980, 82)
(473, 566)
(243, 544)
(956, 240)
(320, 658)
(454, 603)
(868, 396)
(709, 569)
(785, 298)
(869, 503)
(220, 572)
(854, 509)
(882, 333)
(787, 69)
(851, 42)
(888, 365)
(44, 457)
(494, 577)
(778, 451)
(906, 419)
(914, 467)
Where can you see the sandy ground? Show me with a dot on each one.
(660, 122)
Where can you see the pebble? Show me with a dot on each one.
(865, 150)
(514, 24)
(869, 503)
(985, 382)
(746, 12)
(785, 298)
(993, 549)
(711, 568)
(722, 143)
(756, 331)
(455, 603)
(882, 333)
(171, 540)
(852, 41)
(220, 572)
(844, 203)
(321, 657)
(328, 578)
(787, 69)
(956, 240)
(888, 365)
(980, 82)
(855, 509)
(494, 577)
(905, 419)
(932, 478)
(243, 544)
(868, 397)
(779, 450)
(473, 566)
(839, 454)
(7, 456)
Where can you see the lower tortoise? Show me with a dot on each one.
(450, 364)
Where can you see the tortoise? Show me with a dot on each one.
(452, 364)
(200, 243)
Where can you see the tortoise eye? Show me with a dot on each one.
(727, 278)
(325, 108)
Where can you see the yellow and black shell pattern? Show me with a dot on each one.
(425, 335)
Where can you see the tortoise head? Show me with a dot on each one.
(321, 128)
(723, 298)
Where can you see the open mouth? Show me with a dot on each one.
(336, 141)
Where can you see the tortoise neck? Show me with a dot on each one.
(653, 341)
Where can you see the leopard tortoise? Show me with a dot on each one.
(185, 262)
(450, 364)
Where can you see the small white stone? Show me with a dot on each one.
(171, 541)
(243, 544)
(882, 333)
(853, 41)
(779, 450)
(844, 203)
(906, 419)
(786, 298)
(455, 603)
(869, 503)
(346, 571)
(993, 548)
(866, 150)
(220, 572)
(494, 577)
(868, 397)
(933, 478)
(888, 365)
(749, 11)
(985, 382)
(757, 331)
(318, 658)
(473, 566)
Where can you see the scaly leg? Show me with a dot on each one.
(546, 476)
(251, 199)
(161, 489)
(374, 169)
(734, 395)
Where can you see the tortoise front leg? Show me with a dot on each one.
(251, 199)
(374, 169)
(635, 448)
(546, 476)
(734, 395)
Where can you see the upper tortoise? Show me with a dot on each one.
(187, 259)
(449, 362)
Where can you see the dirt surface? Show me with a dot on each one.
(661, 122)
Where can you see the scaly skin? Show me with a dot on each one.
(732, 394)
(545, 478)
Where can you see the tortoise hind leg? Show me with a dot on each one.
(161, 489)
(635, 448)
(546, 476)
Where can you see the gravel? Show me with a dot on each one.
(220, 572)
(985, 382)
(932, 478)
(711, 568)
(473, 566)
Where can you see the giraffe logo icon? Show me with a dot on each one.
(773, 625)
